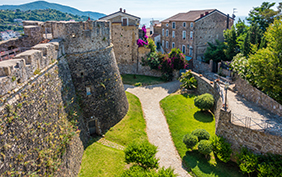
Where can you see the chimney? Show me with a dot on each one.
(206, 13)
(124, 10)
(201, 15)
(227, 22)
(120, 9)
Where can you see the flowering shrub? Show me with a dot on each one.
(143, 41)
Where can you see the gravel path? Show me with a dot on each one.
(157, 127)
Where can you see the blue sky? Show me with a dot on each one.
(158, 9)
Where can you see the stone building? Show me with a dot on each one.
(124, 34)
(191, 32)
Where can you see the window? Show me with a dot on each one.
(166, 32)
(191, 24)
(173, 45)
(163, 32)
(166, 44)
(183, 49)
(163, 43)
(191, 34)
(88, 91)
(184, 24)
(173, 34)
(167, 25)
(124, 21)
(191, 51)
(183, 34)
(173, 25)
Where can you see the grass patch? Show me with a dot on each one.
(131, 127)
(183, 117)
(144, 80)
(99, 160)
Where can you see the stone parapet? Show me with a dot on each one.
(256, 96)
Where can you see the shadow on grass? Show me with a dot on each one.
(193, 159)
(188, 95)
(93, 139)
(203, 116)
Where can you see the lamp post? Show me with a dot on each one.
(226, 86)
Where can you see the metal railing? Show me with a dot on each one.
(266, 125)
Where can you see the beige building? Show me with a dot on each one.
(191, 32)
(124, 34)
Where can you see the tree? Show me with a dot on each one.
(215, 52)
(266, 64)
(231, 43)
(263, 15)
(246, 48)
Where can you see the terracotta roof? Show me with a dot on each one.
(117, 13)
(192, 15)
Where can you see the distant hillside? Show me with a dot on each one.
(7, 17)
(46, 5)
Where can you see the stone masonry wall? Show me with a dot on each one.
(106, 100)
(254, 95)
(238, 136)
(36, 125)
(124, 39)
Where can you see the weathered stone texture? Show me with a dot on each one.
(254, 95)
(124, 39)
(98, 71)
(238, 136)
(34, 123)
(200, 66)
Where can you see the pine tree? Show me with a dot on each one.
(247, 45)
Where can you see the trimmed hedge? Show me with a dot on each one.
(204, 101)
(190, 140)
(202, 134)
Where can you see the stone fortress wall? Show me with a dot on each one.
(257, 140)
(73, 78)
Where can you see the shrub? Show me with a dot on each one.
(138, 84)
(152, 60)
(202, 134)
(247, 161)
(142, 154)
(205, 147)
(190, 140)
(204, 101)
(221, 148)
(169, 172)
(188, 81)
(270, 165)
(141, 172)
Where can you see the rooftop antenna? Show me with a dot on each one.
(234, 11)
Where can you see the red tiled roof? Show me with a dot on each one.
(192, 15)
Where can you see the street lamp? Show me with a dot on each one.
(226, 86)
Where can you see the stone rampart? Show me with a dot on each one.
(238, 136)
(254, 95)
(39, 108)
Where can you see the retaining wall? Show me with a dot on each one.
(254, 95)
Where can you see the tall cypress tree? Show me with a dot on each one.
(247, 45)
(231, 43)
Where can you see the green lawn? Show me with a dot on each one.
(145, 80)
(183, 117)
(133, 125)
(99, 160)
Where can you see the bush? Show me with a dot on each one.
(247, 161)
(204, 101)
(141, 172)
(270, 165)
(205, 147)
(221, 148)
(202, 134)
(188, 81)
(190, 140)
(137, 84)
(142, 154)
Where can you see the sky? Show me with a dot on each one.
(157, 9)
